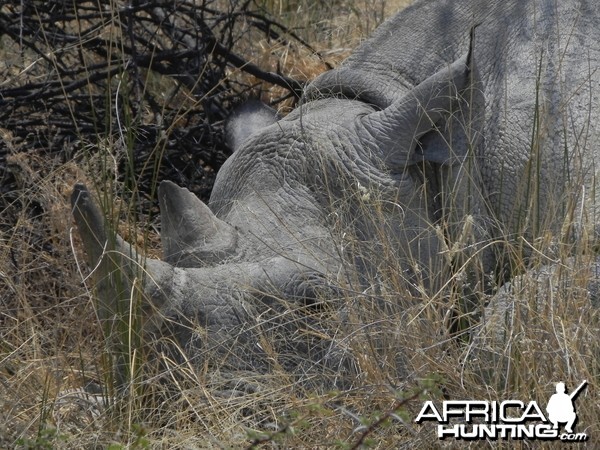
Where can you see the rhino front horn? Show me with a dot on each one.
(192, 236)
(90, 223)
(115, 264)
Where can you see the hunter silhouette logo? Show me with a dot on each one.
(560, 407)
(509, 419)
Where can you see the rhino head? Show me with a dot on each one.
(301, 217)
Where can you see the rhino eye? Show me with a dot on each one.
(313, 290)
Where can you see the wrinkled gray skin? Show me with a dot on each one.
(424, 139)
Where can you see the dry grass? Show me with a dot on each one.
(52, 343)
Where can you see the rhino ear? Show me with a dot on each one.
(397, 130)
(191, 234)
(246, 120)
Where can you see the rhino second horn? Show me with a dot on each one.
(192, 236)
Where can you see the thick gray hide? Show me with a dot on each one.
(458, 124)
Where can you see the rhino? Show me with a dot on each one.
(457, 129)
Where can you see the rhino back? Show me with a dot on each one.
(534, 102)
(538, 72)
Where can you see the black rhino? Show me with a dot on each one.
(457, 127)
